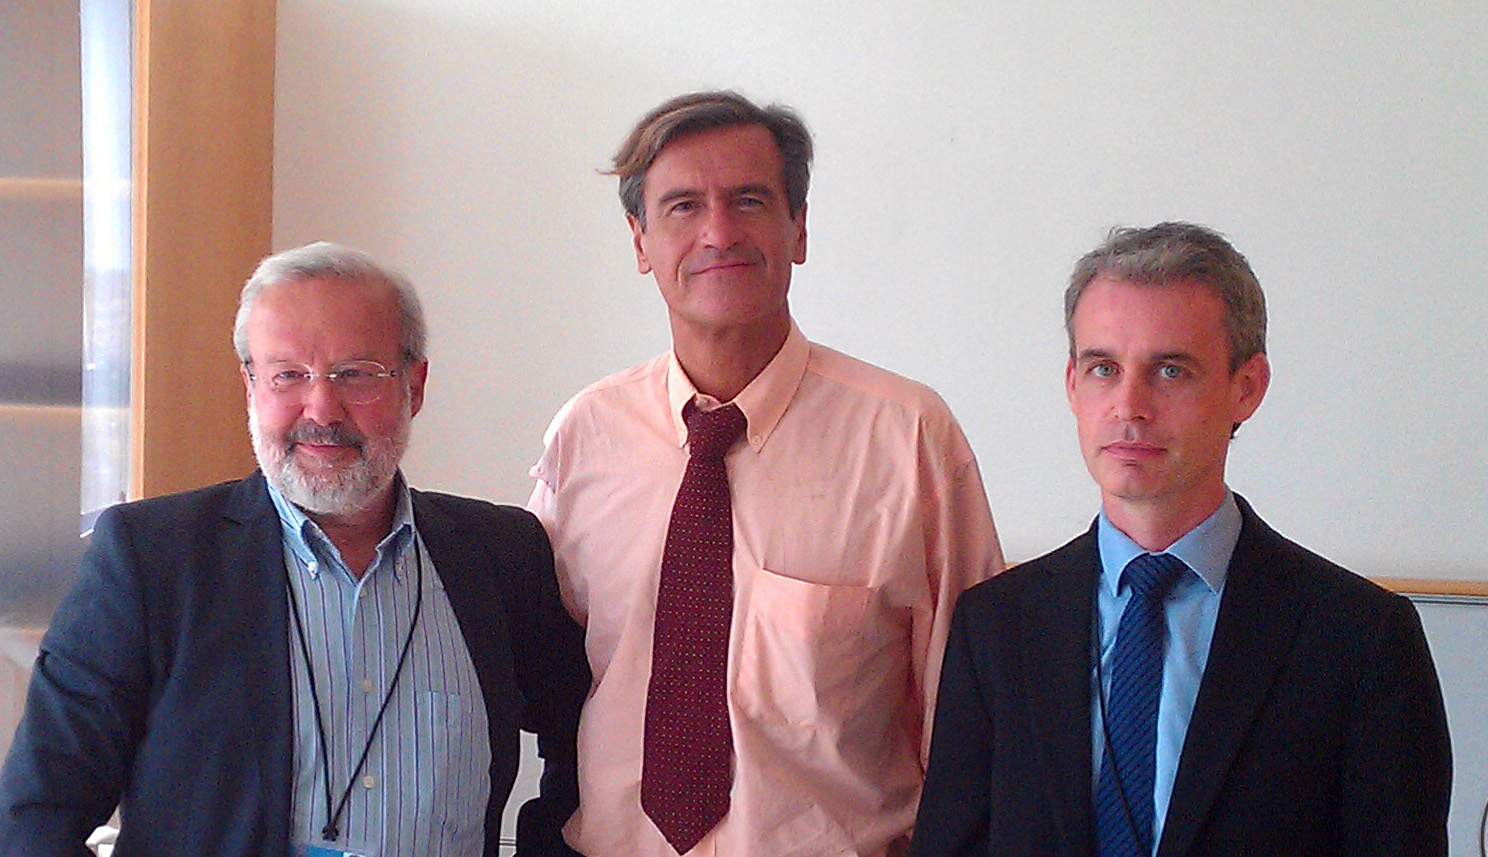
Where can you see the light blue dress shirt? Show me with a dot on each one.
(427, 780)
(1190, 610)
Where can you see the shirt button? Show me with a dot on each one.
(369, 781)
(366, 685)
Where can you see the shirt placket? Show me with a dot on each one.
(365, 689)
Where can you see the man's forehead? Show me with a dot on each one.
(740, 147)
(320, 307)
(356, 296)
(1114, 296)
(1184, 308)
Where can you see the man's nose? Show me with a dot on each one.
(1133, 398)
(721, 229)
(323, 401)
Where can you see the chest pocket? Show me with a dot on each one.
(806, 648)
(453, 779)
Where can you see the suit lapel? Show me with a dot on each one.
(451, 553)
(1258, 619)
(466, 571)
(467, 562)
(252, 550)
(436, 531)
(1056, 653)
(452, 563)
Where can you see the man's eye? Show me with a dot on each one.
(290, 376)
(1170, 371)
(1103, 370)
(352, 374)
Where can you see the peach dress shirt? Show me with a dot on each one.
(859, 517)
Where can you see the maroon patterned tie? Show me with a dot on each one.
(685, 775)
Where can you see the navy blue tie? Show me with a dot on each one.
(1123, 798)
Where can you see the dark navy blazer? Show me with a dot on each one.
(1318, 730)
(164, 680)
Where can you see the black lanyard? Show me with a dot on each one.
(331, 832)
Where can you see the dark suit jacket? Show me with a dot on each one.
(1318, 728)
(164, 679)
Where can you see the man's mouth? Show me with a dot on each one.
(717, 262)
(719, 267)
(324, 440)
(1132, 450)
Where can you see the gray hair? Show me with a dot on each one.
(1173, 251)
(701, 111)
(326, 261)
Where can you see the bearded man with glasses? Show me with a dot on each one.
(316, 659)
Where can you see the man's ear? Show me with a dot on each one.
(418, 375)
(800, 221)
(637, 232)
(1248, 385)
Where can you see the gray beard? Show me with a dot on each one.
(355, 488)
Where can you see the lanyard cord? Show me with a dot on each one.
(331, 832)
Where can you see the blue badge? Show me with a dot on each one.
(305, 849)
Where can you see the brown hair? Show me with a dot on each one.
(700, 111)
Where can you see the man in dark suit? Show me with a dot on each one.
(316, 659)
(1180, 680)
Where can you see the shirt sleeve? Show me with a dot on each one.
(961, 550)
(542, 501)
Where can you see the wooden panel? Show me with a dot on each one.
(1433, 586)
(29, 189)
(204, 131)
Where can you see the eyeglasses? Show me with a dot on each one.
(357, 382)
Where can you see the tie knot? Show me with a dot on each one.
(711, 433)
(1152, 575)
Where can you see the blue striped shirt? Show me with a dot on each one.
(426, 782)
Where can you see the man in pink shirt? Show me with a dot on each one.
(856, 510)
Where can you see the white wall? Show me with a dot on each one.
(968, 152)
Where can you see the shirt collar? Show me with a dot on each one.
(306, 539)
(1206, 548)
(763, 401)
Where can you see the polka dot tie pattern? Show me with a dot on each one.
(686, 771)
